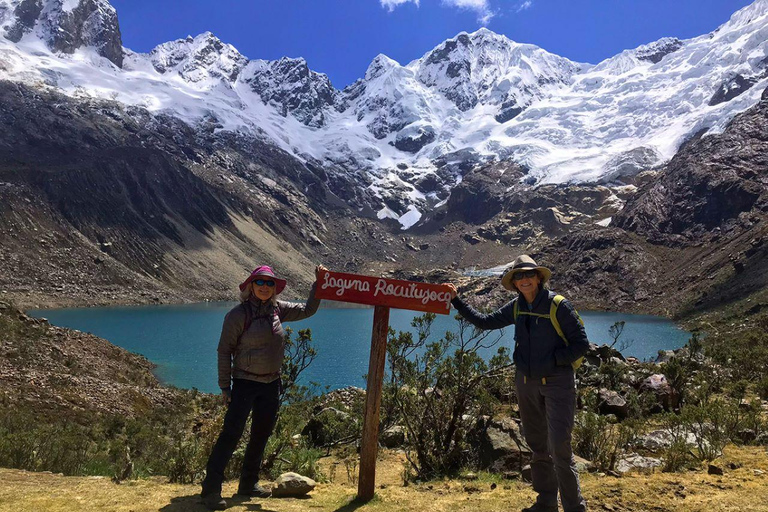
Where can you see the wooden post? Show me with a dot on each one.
(366, 483)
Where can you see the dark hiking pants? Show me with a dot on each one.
(547, 411)
(247, 396)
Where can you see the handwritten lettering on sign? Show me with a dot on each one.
(378, 291)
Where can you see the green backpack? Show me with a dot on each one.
(552, 318)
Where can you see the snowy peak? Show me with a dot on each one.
(202, 60)
(65, 25)
(407, 134)
(753, 12)
(293, 88)
(380, 65)
(485, 67)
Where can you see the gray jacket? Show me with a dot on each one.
(257, 354)
(539, 350)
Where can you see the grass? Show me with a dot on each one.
(738, 490)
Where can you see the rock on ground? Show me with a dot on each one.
(292, 485)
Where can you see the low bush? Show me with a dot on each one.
(601, 441)
(172, 440)
(437, 389)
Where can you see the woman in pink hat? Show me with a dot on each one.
(251, 350)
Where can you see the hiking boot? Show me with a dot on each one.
(538, 507)
(214, 501)
(255, 491)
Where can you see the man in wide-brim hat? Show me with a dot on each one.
(549, 342)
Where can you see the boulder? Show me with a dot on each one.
(500, 445)
(635, 462)
(393, 437)
(666, 395)
(605, 353)
(320, 429)
(610, 402)
(292, 485)
(660, 439)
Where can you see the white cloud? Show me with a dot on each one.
(391, 4)
(481, 7)
(524, 5)
(484, 13)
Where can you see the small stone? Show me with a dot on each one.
(292, 485)
(469, 476)
(715, 470)
(758, 472)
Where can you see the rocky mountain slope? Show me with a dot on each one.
(688, 238)
(140, 196)
(106, 204)
(49, 370)
(405, 134)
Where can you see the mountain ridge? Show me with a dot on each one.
(475, 98)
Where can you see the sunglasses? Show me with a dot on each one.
(262, 282)
(528, 274)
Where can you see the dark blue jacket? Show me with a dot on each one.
(539, 350)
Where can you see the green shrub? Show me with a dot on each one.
(437, 388)
(744, 353)
(611, 374)
(678, 455)
(599, 440)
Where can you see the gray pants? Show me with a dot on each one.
(547, 410)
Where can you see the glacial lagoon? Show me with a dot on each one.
(181, 339)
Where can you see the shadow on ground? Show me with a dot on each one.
(193, 503)
(351, 506)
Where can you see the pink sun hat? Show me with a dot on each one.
(264, 271)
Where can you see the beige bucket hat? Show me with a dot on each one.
(522, 264)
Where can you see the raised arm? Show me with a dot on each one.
(294, 311)
(498, 319)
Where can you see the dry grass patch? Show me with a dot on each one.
(737, 490)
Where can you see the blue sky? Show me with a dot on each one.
(341, 37)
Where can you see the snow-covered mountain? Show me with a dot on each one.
(410, 131)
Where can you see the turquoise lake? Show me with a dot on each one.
(181, 339)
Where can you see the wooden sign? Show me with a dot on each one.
(378, 291)
(384, 294)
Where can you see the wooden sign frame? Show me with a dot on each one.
(383, 294)
(380, 291)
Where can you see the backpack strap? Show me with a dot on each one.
(553, 316)
(248, 318)
(556, 324)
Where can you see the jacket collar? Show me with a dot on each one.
(537, 300)
(259, 307)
